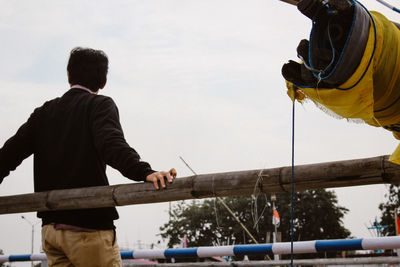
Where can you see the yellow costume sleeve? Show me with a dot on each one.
(374, 94)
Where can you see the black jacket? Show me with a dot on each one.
(73, 138)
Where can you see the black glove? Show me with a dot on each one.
(293, 71)
(298, 74)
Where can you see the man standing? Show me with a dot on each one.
(73, 138)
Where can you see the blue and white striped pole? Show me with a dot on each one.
(391, 242)
(23, 257)
(389, 6)
(275, 248)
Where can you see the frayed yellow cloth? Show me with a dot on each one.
(376, 97)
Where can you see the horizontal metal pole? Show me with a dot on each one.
(300, 247)
(292, 2)
(376, 170)
(314, 262)
(296, 262)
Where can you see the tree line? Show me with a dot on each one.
(207, 222)
(317, 216)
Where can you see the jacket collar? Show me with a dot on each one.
(78, 86)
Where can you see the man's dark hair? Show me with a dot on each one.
(87, 67)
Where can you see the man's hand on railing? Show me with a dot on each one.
(160, 177)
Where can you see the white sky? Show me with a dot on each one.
(193, 78)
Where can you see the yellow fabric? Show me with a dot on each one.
(373, 98)
(66, 248)
(395, 157)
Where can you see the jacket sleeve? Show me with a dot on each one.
(17, 148)
(111, 145)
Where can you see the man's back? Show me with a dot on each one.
(73, 138)
(65, 155)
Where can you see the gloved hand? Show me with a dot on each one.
(335, 16)
(298, 74)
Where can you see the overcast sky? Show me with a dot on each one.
(193, 78)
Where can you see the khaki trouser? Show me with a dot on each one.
(66, 248)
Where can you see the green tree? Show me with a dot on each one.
(317, 216)
(387, 209)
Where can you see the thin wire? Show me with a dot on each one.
(292, 195)
(215, 206)
(187, 165)
(320, 72)
(259, 217)
(306, 65)
(254, 202)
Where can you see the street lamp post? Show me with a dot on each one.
(33, 233)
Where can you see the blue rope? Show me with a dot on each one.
(292, 194)
(320, 72)
(332, 46)
(373, 51)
